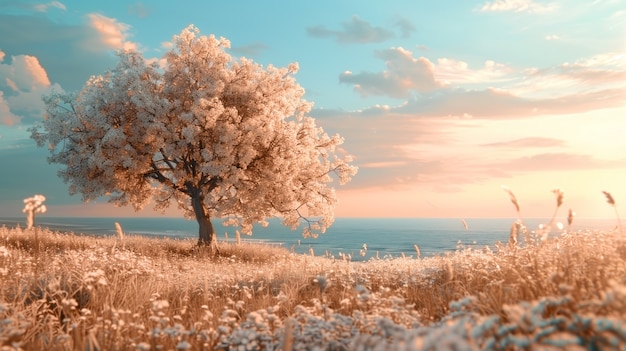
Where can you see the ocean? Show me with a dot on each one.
(384, 237)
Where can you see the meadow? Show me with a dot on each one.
(64, 291)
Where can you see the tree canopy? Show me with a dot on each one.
(219, 137)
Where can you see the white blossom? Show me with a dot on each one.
(219, 137)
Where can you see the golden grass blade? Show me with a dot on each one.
(513, 198)
(464, 224)
(120, 232)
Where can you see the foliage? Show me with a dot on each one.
(219, 137)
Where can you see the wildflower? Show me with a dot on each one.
(33, 205)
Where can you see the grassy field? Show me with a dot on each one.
(62, 291)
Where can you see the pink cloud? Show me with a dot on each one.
(29, 72)
(529, 142)
(599, 72)
(451, 87)
(494, 103)
(112, 33)
(404, 74)
(558, 161)
(6, 116)
(22, 83)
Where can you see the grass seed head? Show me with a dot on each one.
(570, 217)
(609, 198)
(559, 197)
(513, 198)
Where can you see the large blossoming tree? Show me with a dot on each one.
(221, 138)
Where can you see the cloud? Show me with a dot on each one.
(406, 27)
(529, 142)
(139, 9)
(22, 83)
(404, 74)
(378, 143)
(250, 50)
(493, 103)
(451, 71)
(46, 6)
(450, 87)
(111, 32)
(559, 162)
(36, 66)
(517, 6)
(596, 73)
(6, 116)
(354, 31)
(552, 37)
(25, 72)
(70, 54)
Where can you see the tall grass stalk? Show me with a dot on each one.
(518, 226)
(611, 201)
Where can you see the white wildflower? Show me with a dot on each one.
(33, 205)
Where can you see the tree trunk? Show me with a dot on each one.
(206, 232)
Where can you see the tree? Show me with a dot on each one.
(221, 138)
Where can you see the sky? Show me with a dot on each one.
(441, 103)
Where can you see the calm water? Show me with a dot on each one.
(388, 237)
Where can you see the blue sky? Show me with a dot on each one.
(439, 102)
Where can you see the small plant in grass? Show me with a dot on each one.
(611, 201)
(544, 230)
(33, 205)
(570, 219)
(518, 226)
(559, 201)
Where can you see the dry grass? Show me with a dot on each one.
(64, 291)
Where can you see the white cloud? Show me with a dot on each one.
(112, 33)
(592, 74)
(22, 83)
(451, 88)
(46, 6)
(6, 116)
(552, 37)
(517, 6)
(25, 73)
(404, 74)
(452, 71)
